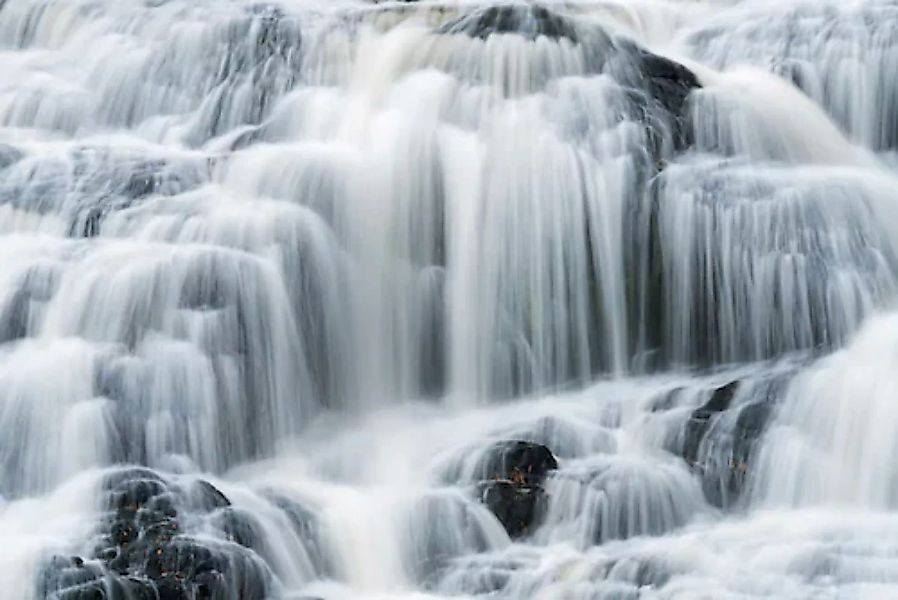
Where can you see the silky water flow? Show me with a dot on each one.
(335, 299)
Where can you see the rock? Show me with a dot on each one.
(750, 426)
(660, 89)
(142, 552)
(697, 425)
(720, 437)
(519, 462)
(530, 22)
(517, 506)
(512, 474)
(668, 82)
(238, 526)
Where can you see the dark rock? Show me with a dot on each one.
(750, 426)
(527, 21)
(721, 437)
(721, 398)
(699, 422)
(517, 506)
(660, 89)
(669, 82)
(519, 462)
(142, 552)
(513, 473)
(207, 496)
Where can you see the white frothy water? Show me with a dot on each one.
(329, 256)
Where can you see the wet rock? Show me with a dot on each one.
(518, 461)
(750, 426)
(527, 21)
(700, 420)
(659, 92)
(517, 506)
(207, 496)
(238, 526)
(669, 82)
(513, 473)
(721, 437)
(141, 550)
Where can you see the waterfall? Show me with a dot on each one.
(312, 299)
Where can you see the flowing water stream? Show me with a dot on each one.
(280, 280)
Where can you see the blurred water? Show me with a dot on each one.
(326, 255)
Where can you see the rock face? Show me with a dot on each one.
(142, 553)
(513, 473)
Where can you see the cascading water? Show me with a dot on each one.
(354, 300)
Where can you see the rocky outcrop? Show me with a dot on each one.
(141, 551)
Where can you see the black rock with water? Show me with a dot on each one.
(700, 420)
(519, 461)
(141, 551)
(720, 437)
(513, 473)
(518, 506)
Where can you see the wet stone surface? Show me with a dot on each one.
(513, 473)
(142, 552)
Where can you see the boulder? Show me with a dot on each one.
(512, 475)
(142, 552)
(518, 506)
(518, 461)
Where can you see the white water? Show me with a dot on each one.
(332, 251)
